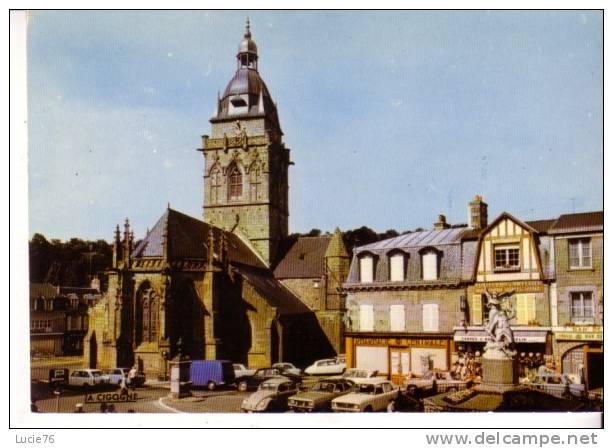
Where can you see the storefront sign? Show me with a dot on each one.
(576, 336)
(517, 286)
(518, 336)
(402, 342)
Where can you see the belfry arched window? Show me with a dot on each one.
(215, 178)
(146, 315)
(235, 183)
(255, 179)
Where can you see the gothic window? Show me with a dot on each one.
(146, 315)
(235, 183)
(215, 177)
(254, 181)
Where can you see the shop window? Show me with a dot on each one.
(430, 317)
(397, 267)
(506, 258)
(367, 321)
(366, 269)
(526, 309)
(582, 307)
(397, 318)
(580, 253)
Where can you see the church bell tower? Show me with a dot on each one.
(245, 160)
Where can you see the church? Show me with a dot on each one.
(232, 286)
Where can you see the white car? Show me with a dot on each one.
(287, 367)
(87, 378)
(330, 366)
(241, 370)
(372, 394)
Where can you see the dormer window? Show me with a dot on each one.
(506, 258)
(397, 267)
(366, 268)
(429, 265)
(238, 102)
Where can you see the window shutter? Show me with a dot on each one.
(430, 317)
(366, 318)
(397, 318)
(366, 269)
(522, 309)
(530, 308)
(429, 266)
(397, 268)
(477, 310)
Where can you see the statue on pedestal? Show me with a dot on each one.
(498, 327)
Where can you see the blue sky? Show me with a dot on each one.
(392, 117)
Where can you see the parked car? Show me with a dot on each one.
(211, 373)
(331, 366)
(138, 380)
(443, 381)
(372, 394)
(87, 378)
(261, 375)
(241, 370)
(558, 384)
(271, 396)
(117, 374)
(356, 374)
(320, 396)
(287, 367)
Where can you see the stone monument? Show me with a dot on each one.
(180, 383)
(499, 364)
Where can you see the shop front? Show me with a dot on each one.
(397, 356)
(531, 343)
(579, 353)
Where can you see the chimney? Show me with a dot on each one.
(477, 213)
(441, 223)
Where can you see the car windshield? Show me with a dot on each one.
(367, 389)
(324, 386)
(96, 372)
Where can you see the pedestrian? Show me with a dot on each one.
(132, 377)
(103, 408)
(78, 408)
(111, 409)
(124, 385)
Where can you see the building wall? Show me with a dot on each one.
(571, 280)
(413, 300)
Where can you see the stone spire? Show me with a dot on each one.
(336, 246)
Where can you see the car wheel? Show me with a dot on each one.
(211, 385)
(242, 386)
(368, 409)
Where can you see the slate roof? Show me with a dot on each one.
(187, 239)
(272, 291)
(578, 222)
(43, 290)
(305, 259)
(457, 259)
(433, 237)
(542, 225)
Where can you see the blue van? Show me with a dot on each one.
(211, 373)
